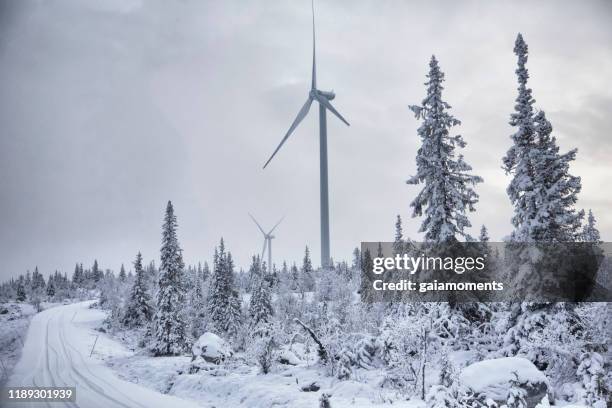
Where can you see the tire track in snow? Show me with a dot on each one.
(93, 375)
(94, 387)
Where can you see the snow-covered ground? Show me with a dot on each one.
(57, 353)
(240, 385)
(14, 321)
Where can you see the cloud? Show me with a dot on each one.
(109, 109)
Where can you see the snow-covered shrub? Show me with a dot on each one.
(324, 401)
(592, 374)
(549, 335)
(440, 396)
(366, 351)
(345, 363)
(264, 352)
(516, 394)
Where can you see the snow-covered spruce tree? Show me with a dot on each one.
(308, 280)
(543, 194)
(122, 274)
(255, 273)
(260, 307)
(197, 303)
(51, 287)
(345, 363)
(356, 265)
(519, 158)
(398, 243)
(169, 324)
(448, 187)
(556, 219)
(484, 234)
(138, 310)
(223, 300)
(294, 273)
(21, 293)
(590, 233)
(516, 394)
(96, 272)
(367, 265)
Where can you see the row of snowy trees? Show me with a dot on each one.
(544, 194)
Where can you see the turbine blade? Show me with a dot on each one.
(323, 100)
(258, 226)
(313, 85)
(276, 225)
(300, 116)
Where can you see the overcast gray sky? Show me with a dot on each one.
(110, 109)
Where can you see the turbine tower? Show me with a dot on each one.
(267, 242)
(323, 98)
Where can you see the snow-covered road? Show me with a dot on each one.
(57, 353)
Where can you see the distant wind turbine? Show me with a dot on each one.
(267, 241)
(323, 98)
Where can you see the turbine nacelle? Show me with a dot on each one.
(329, 95)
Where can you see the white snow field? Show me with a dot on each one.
(57, 353)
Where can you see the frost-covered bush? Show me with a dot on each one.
(345, 363)
(592, 374)
(440, 396)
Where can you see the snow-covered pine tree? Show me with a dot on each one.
(122, 274)
(198, 303)
(77, 276)
(138, 311)
(590, 233)
(255, 273)
(51, 287)
(398, 243)
(484, 234)
(556, 219)
(543, 194)
(96, 272)
(234, 307)
(21, 292)
(519, 157)
(205, 271)
(307, 271)
(448, 191)
(516, 394)
(260, 307)
(345, 363)
(223, 300)
(169, 323)
(294, 278)
(367, 264)
(38, 282)
(356, 265)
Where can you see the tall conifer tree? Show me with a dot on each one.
(169, 334)
(447, 194)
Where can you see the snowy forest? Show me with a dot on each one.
(297, 335)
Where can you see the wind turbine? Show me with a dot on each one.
(323, 98)
(267, 241)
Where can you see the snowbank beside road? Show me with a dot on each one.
(14, 321)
